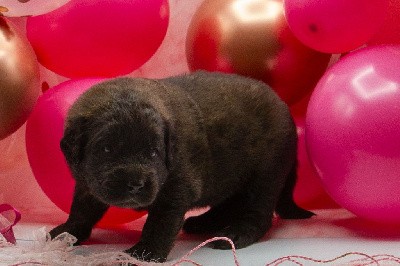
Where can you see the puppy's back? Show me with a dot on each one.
(238, 108)
(246, 124)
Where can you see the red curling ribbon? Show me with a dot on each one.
(8, 218)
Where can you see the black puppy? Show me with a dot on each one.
(170, 145)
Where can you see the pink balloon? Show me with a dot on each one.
(98, 38)
(389, 32)
(335, 26)
(44, 131)
(353, 132)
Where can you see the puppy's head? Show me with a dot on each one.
(119, 144)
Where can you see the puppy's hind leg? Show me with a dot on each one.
(286, 208)
(245, 219)
(251, 211)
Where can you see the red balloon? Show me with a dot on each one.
(299, 109)
(44, 131)
(389, 32)
(252, 38)
(98, 38)
(309, 191)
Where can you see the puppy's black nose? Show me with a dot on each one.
(135, 187)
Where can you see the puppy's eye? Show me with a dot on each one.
(106, 149)
(153, 153)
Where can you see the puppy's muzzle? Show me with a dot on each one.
(132, 187)
(125, 180)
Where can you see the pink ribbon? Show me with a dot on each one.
(8, 218)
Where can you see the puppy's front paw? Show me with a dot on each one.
(144, 252)
(80, 233)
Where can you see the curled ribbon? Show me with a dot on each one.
(8, 218)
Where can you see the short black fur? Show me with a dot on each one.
(170, 145)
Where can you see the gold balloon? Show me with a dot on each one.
(252, 38)
(19, 79)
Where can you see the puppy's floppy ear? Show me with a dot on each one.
(169, 139)
(73, 142)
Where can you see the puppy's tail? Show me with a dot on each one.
(286, 208)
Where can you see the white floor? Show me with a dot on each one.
(333, 237)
